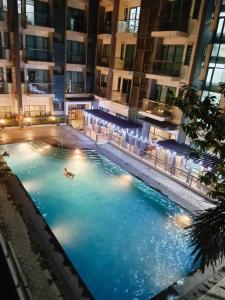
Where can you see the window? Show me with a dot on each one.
(105, 50)
(122, 51)
(37, 76)
(196, 9)
(5, 111)
(75, 52)
(34, 110)
(37, 42)
(74, 82)
(188, 55)
(8, 74)
(172, 53)
(134, 19)
(119, 84)
(75, 19)
(37, 13)
(6, 39)
(103, 80)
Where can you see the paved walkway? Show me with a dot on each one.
(39, 282)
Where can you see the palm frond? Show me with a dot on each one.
(208, 236)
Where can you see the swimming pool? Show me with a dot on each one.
(118, 232)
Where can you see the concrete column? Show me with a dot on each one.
(145, 130)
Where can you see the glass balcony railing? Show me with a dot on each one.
(38, 88)
(157, 108)
(38, 55)
(127, 63)
(75, 88)
(128, 26)
(163, 67)
(100, 91)
(103, 61)
(4, 87)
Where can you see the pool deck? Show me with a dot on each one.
(19, 217)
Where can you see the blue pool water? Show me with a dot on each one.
(118, 232)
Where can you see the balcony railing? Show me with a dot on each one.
(100, 91)
(127, 63)
(38, 88)
(38, 19)
(103, 61)
(105, 28)
(129, 26)
(74, 88)
(174, 23)
(38, 55)
(119, 97)
(157, 108)
(163, 67)
(4, 87)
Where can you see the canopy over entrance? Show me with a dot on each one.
(100, 114)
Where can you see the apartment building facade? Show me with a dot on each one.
(152, 51)
(60, 57)
(47, 61)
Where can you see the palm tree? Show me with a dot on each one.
(205, 127)
(208, 236)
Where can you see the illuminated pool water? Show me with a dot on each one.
(118, 232)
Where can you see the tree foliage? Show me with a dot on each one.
(204, 124)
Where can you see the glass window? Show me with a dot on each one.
(75, 52)
(75, 19)
(188, 55)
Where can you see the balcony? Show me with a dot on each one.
(114, 107)
(103, 61)
(38, 19)
(38, 55)
(156, 110)
(129, 26)
(101, 91)
(105, 28)
(74, 88)
(38, 88)
(163, 67)
(4, 87)
(126, 63)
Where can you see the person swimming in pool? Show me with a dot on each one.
(68, 173)
(5, 153)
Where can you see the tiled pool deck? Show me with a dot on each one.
(12, 218)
